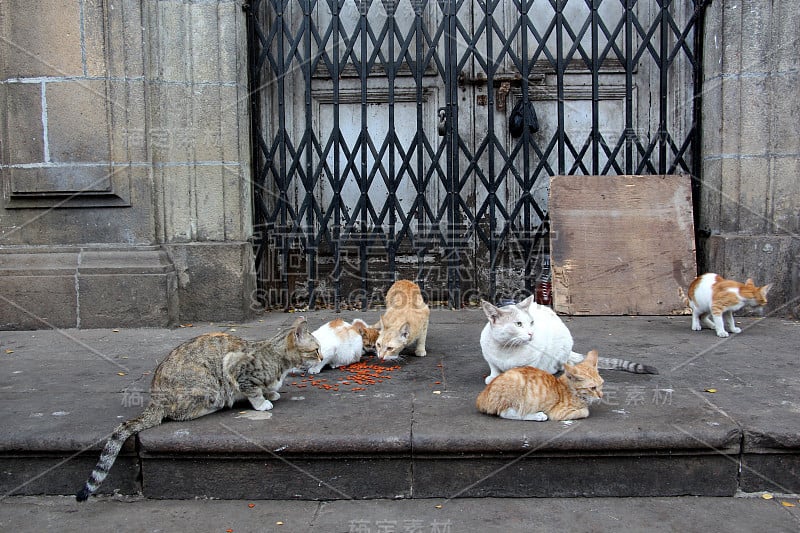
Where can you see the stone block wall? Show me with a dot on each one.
(123, 126)
(124, 142)
(750, 205)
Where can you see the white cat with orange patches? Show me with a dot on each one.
(342, 343)
(713, 300)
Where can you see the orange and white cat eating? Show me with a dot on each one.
(713, 300)
(342, 343)
(404, 323)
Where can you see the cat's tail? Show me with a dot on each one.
(150, 417)
(613, 363)
(683, 298)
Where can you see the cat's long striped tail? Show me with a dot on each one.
(613, 363)
(150, 417)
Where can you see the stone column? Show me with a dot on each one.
(198, 141)
(750, 201)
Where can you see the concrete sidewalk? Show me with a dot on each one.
(464, 515)
(414, 432)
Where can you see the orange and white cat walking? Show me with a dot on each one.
(713, 300)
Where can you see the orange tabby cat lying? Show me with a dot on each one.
(528, 393)
(711, 295)
(404, 323)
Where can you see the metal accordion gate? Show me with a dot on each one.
(415, 139)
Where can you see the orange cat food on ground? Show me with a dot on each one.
(361, 373)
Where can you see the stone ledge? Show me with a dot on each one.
(92, 286)
(399, 439)
(739, 257)
(216, 280)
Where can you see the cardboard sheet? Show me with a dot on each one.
(621, 245)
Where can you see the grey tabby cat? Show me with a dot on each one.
(209, 373)
(529, 334)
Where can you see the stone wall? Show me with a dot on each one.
(124, 139)
(124, 158)
(750, 205)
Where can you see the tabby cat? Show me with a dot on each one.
(528, 393)
(342, 343)
(529, 334)
(404, 323)
(713, 300)
(209, 373)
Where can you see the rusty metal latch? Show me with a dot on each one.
(512, 78)
(502, 94)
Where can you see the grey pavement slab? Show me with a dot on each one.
(463, 515)
(418, 433)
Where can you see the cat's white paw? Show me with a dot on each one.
(420, 353)
(316, 369)
(260, 404)
(722, 333)
(273, 395)
(736, 330)
(696, 326)
(489, 379)
(536, 417)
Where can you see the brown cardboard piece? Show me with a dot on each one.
(621, 245)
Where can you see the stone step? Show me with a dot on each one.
(416, 433)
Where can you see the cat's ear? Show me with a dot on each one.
(491, 312)
(526, 303)
(405, 332)
(765, 289)
(591, 358)
(378, 325)
(300, 327)
(750, 282)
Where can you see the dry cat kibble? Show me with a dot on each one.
(359, 376)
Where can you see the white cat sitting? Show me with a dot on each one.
(529, 334)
